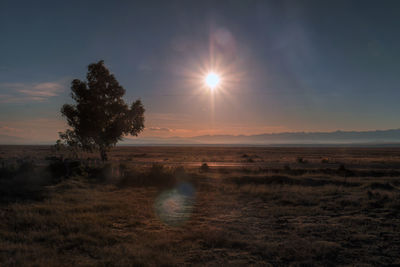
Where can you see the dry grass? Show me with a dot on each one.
(165, 215)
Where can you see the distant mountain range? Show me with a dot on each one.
(361, 138)
(11, 140)
(379, 137)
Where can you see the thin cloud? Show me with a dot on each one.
(9, 130)
(29, 92)
(43, 90)
(159, 129)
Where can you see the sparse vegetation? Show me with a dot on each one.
(77, 213)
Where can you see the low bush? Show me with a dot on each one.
(8, 171)
(61, 169)
(325, 160)
(157, 175)
(301, 160)
(22, 181)
(101, 173)
(204, 167)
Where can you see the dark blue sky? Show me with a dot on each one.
(289, 65)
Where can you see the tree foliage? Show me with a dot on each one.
(100, 118)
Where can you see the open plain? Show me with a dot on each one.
(200, 206)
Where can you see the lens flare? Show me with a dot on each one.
(175, 206)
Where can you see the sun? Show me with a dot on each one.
(212, 80)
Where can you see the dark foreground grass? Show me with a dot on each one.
(175, 216)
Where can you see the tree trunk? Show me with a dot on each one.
(103, 155)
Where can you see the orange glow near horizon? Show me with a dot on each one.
(213, 79)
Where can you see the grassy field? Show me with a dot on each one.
(164, 206)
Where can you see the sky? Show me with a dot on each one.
(285, 66)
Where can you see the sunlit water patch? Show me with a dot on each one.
(175, 206)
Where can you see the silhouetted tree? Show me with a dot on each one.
(100, 117)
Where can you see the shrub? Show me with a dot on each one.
(57, 169)
(8, 171)
(325, 160)
(301, 160)
(23, 181)
(204, 167)
(61, 169)
(157, 175)
(102, 173)
(342, 170)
